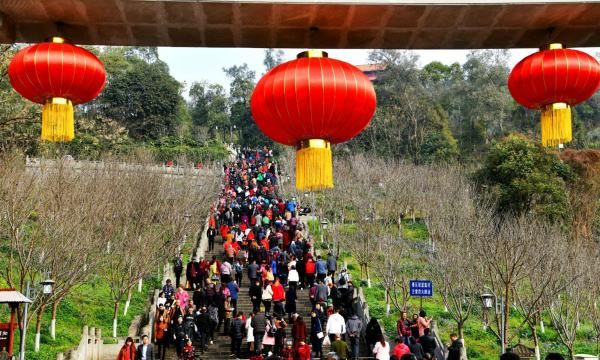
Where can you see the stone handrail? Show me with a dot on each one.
(175, 170)
(440, 353)
(168, 273)
(361, 308)
(89, 348)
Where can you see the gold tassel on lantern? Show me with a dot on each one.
(57, 120)
(314, 165)
(556, 124)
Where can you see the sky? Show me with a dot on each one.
(196, 64)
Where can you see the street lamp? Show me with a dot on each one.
(489, 300)
(323, 224)
(47, 289)
(47, 286)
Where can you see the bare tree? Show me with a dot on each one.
(566, 309)
(512, 248)
(66, 247)
(393, 270)
(545, 278)
(148, 225)
(452, 265)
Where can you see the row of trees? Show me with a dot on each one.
(444, 113)
(433, 113)
(542, 266)
(114, 223)
(141, 107)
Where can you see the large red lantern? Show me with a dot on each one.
(57, 75)
(552, 81)
(312, 102)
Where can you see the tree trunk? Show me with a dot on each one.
(571, 352)
(127, 302)
(461, 331)
(361, 272)
(461, 337)
(506, 314)
(38, 327)
(115, 315)
(536, 342)
(387, 302)
(53, 320)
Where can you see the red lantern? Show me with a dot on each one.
(57, 75)
(313, 102)
(552, 81)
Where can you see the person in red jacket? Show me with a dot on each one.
(310, 271)
(278, 298)
(303, 351)
(127, 351)
(278, 291)
(224, 229)
(400, 348)
(403, 328)
(298, 332)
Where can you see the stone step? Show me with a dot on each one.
(220, 349)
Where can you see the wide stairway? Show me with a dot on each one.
(221, 348)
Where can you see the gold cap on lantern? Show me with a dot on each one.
(312, 54)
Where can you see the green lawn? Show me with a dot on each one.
(89, 304)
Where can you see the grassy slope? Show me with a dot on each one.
(481, 344)
(90, 304)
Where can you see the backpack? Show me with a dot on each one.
(342, 280)
(238, 268)
(178, 264)
(272, 330)
(213, 313)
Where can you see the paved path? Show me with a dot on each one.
(110, 351)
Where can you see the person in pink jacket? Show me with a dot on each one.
(423, 322)
(183, 297)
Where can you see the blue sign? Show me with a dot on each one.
(422, 288)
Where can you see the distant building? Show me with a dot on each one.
(371, 70)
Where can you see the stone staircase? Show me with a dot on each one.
(220, 349)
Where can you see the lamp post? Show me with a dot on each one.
(232, 129)
(47, 289)
(324, 224)
(490, 300)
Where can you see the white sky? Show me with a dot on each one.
(197, 64)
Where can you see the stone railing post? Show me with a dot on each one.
(60, 356)
(91, 353)
(99, 342)
(83, 348)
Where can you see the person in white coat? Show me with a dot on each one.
(250, 334)
(381, 350)
(293, 277)
(335, 325)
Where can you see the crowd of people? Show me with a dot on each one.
(266, 247)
